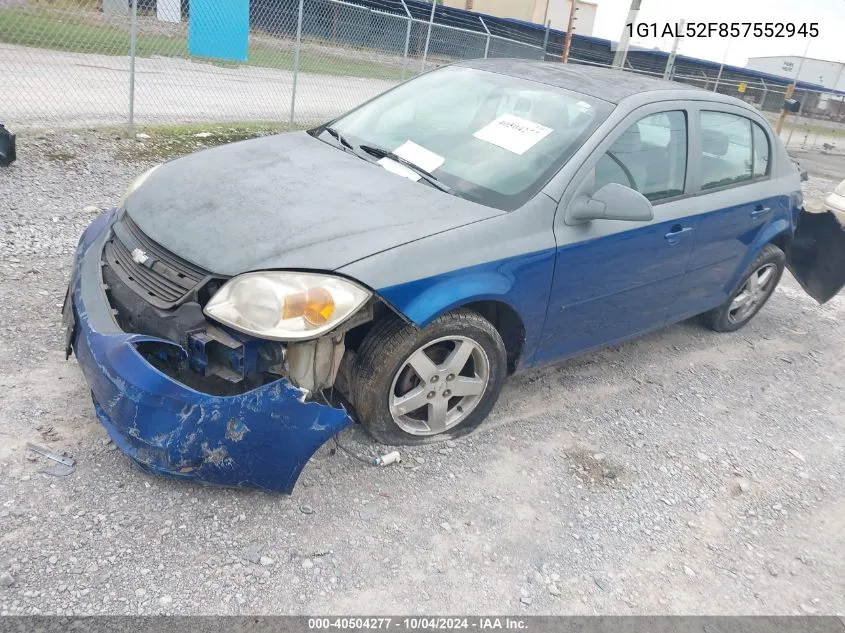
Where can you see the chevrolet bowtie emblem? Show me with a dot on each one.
(139, 256)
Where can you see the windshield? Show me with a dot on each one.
(490, 138)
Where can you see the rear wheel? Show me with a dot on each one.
(416, 386)
(757, 286)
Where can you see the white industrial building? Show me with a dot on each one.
(823, 72)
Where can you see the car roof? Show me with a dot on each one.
(604, 83)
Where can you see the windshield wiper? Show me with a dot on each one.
(380, 152)
(339, 137)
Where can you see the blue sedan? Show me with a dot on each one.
(244, 303)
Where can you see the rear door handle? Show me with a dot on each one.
(674, 236)
(760, 210)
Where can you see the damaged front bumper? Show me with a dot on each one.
(262, 438)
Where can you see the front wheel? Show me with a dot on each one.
(757, 286)
(416, 386)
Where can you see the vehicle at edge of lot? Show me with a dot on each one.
(398, 262)
(835, 200)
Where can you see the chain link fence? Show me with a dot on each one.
(68, 63)
(71, 63)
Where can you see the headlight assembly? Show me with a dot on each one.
(285, 306)
(136, 183)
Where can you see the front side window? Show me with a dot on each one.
(734, 150)
(493, 139)
(649, 157)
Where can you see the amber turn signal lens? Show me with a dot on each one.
(316, 306)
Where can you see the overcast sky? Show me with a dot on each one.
(830, 14)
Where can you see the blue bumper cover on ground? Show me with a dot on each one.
(262, 438)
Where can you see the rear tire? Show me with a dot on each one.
(386, 372)
(757, 285)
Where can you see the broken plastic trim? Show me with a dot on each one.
(817, 255)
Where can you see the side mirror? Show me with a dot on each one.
(792, 105)
(612, 202)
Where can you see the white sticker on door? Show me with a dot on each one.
(513, 133)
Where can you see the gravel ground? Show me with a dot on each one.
(684, 472)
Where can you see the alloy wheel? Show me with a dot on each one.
(439, 385)
(752, 294)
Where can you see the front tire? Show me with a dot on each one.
(758, 284)
(415, 386)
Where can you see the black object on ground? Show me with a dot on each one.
(7, 146)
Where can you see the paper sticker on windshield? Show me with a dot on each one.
(513, 133)
(399, 169)
(420, 156)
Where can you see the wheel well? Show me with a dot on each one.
(504, 318)
(509, 324)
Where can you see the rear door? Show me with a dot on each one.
(732, 179)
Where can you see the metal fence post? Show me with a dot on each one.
(133, 32)
(486, 30)
(296, 61)
(428, 35)
(546, 37)
(407, 39)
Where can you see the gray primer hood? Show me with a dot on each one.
(288, 201)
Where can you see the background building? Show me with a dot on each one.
(823, 72)
(817, 71)
(554, 11)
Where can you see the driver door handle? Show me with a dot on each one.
(760, 210)
(674, 236)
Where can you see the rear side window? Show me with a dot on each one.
(734, 150)
(649, 157)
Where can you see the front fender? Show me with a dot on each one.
(521, 282)
(424, 300)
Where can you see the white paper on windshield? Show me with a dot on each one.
(420, 156)
(513, 133)
(398, 168)
(413, 153)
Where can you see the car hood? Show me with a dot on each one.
(288, 201)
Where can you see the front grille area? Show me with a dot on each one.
(161, 278)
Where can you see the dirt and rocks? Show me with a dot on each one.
(684, 472)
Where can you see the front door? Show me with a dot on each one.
(614, 279)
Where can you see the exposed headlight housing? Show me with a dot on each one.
(285, 306)
(136, 183)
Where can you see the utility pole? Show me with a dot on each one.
(622, 48)
(568, 42)
(791, 89)
(670, 63)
